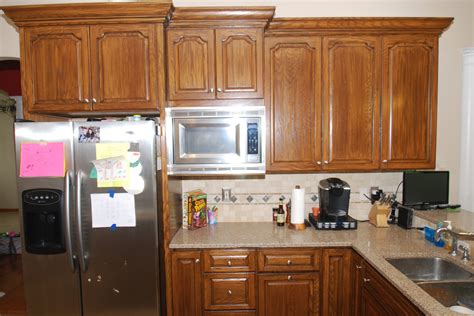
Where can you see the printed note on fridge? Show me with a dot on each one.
(42, 159)
(113, 209)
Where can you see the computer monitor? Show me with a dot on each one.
(422, 189)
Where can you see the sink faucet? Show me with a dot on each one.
(455, 236)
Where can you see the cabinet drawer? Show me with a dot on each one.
(288, 260)
(238, 260)
(229, 291)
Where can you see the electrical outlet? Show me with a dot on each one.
(226, 194)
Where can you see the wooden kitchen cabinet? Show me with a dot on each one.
(409, 101)
(288, 294)
(85, 58)
(351, 102)
(356, 283)
(229, 291)
(187, 283)
(336, 283)
(56, 69)
(206, 64)
(293, 103)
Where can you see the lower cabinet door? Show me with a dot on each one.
(229, 291)
(229, 313)
(288, 294)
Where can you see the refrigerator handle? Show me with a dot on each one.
(67, 209)
(82, 255)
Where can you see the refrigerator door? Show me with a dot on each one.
(119, 264)
(52, 284)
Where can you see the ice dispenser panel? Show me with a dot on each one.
(42, 221)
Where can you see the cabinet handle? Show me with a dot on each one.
(229, 292)
(358, 267)
(94, 100)
(366, 280)
(318, 162)
(326, 162)
(219, 90)
(212, 90)
(86, 100)
(385, 161)
(229, 263)
(289, 262)
(289, 278)
(197, 260)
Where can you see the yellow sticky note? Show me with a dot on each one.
(108, 150)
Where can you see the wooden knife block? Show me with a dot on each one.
(379, 214)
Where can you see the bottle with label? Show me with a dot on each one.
(281, 214)
(448, 240)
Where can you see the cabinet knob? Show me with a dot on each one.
(385, 161)
(358, 266)
(86, 100)
(229, 263)
(289, 262)
(212, 90)
(94, 100)
(229, 292)
(326, 162)
(197, 260)
(289, 278)
(318, 162)
(219, 90)
(366, 280)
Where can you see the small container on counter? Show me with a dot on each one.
(275, 214)
(281, 214)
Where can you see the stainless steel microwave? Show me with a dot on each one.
(216, 140)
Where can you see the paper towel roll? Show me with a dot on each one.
(297, 206)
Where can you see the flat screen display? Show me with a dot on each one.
(425, 188)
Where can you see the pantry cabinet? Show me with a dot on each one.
(220, 59)
(363, 99)
(83, 59)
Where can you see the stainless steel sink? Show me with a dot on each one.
(451, 293)
(429, 269)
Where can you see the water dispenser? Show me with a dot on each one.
(42, 221)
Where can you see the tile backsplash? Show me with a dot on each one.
(252, 200)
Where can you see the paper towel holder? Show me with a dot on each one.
(298, 226)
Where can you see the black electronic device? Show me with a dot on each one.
(405, 217)
(334, 195)
(252, 138)
(42, 221)
(425, 189)
(324, 222)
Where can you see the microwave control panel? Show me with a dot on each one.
(252, 138)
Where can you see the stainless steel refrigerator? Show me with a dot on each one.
(74, 263)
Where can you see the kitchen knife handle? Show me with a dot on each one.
(82, 255)
(67, 211)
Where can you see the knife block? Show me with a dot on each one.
(379, 214)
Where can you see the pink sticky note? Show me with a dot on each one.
(42, 160)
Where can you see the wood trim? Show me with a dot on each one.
(367, 24)
(8, 210)
(24, 14)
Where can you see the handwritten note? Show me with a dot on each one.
(112, 172)
(118, 210)
(42, 160)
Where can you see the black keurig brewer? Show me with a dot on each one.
(334, 195)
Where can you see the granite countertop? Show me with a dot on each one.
(462, 220)
(374, 244)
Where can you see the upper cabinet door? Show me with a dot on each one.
(293, 103)
(56, 69)
(239, 60)
(351, 103)
(124, 61)
(410, 65)
(191, 74)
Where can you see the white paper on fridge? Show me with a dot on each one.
(113, 209)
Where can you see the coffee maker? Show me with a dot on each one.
(334, 195)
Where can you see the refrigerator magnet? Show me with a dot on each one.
(136, 185)
(89, 134)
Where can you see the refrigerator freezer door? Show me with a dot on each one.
(120, 264)
(52, 284)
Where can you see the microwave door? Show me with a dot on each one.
(209, 141)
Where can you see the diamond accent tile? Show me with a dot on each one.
(283, 197)
(266, 198)
(249, 198)
(314, 198)
(233, 198)
(217, 199)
